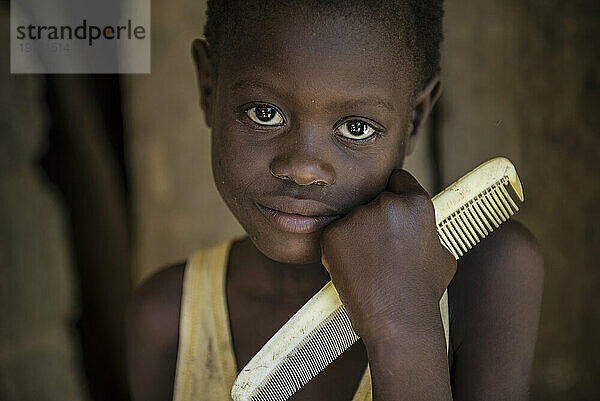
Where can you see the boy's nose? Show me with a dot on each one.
(303, 170)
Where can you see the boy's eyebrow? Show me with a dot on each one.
(372, 101)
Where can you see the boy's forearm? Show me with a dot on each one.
(410, 367)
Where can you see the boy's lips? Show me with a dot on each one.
(299, 216)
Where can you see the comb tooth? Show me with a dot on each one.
(446, 243)
(281, 386)
(472, 215)
(455, 240)
(495, 204)
(460, 232)
(493, 207)
(295, 371)
(471, 223)
(500, 205)
(487, 209)
(449, 236)
(509, 198)
(278, 388)
(504, 214)
(456, 236)
(466, 225)
(500, 196)
(328, 333)
(305, 371)
(480, 212)
(484, 215)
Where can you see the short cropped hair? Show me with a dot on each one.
(421, 21)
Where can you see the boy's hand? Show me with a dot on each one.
(387, 263)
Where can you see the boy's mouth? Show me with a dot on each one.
(300, 216)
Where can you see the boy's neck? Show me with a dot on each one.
(272, 280)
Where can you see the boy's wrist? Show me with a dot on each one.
(415, 367)
(419, 358)
(404, 326)
(404, 343)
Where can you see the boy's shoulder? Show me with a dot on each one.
(496, 290)
(510, 242)
(153, 333)
(510, 251)
(158, 299)
(508, 260)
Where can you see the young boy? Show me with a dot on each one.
(313, 106)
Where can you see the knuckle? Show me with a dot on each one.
(422, 200)
(384, 198)
(390, 208)
(423, 205)
(387, 202)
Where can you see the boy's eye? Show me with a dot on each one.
(356, 130)
(265, 115)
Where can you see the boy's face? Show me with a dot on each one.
(309, 117)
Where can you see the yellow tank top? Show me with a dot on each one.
(206, 366)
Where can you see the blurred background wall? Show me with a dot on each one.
(123, 164)
(64, 249)
(523, 80)
(39, 354)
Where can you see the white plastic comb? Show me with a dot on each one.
(465, 212)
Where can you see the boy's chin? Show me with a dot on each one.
(292, 251)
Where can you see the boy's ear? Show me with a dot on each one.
(205, 76)
(424, 103)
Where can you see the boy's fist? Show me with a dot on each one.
(387, 262)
